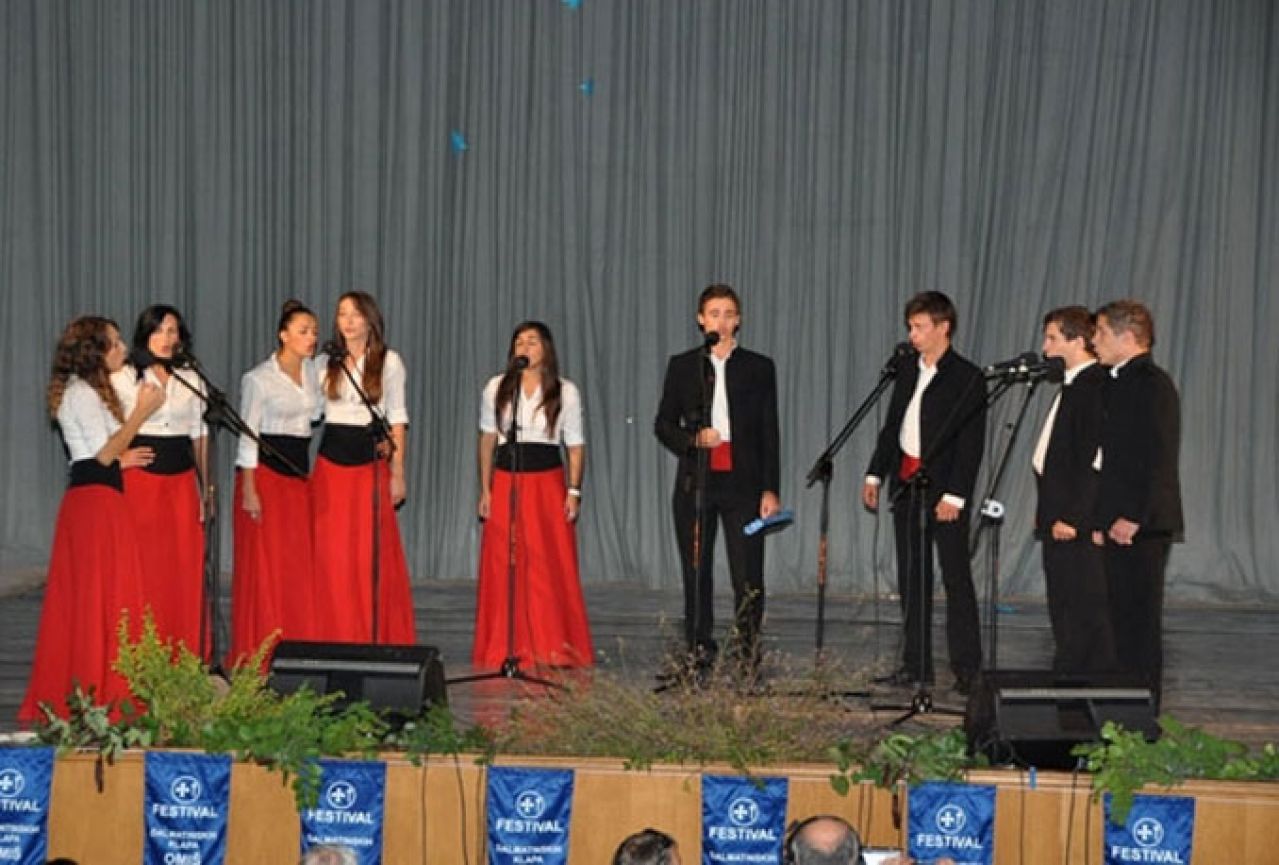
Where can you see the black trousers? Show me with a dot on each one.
(722, 504)
(915, 583)
(1078, 606)
(1135, 587)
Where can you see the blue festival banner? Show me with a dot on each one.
(26, 775)
(1158, 829)
(185, 808)
(528, 815)
(350, 809)
(743, 820)
(952, 820)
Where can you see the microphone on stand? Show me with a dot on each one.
(903, 353)
(1028, 367)
(710, 339)
(180, 358)
(334, 349)
(518, 363)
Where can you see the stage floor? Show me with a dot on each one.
(1220, 671)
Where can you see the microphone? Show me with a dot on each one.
(519, 362)
(334, 349)
(710, 339)
(903, 352)
(1028, 367)
(178, 359)
(1013, 366)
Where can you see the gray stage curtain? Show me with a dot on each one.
(829, 159)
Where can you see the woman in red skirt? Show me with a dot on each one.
(522, 471)
(95, 565)
(166, 496)
(274, 579)
(361, 451)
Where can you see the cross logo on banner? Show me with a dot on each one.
(1148, 832)
(11, 783)
(530, 804)
(951, 819)
(743, 812)
(185, 789)
(341, 795)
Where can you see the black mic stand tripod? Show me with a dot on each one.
(510, 667)
(823, 471)
(921, 701)
(379, 433)
(219, 414)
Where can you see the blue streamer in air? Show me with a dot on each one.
(572, 4)
(457, 141)
(587, 86)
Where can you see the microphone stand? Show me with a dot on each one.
(218, 414)
(823, 471)
(921, 702)
(992, 513)
(379, 432)
(694, 664)
(510, 668)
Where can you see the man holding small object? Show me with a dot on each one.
(718, 415)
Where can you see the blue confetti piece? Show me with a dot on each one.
(587, 86)
(1034, 778)
(1005, 608)
(457, 141)
(572, 4)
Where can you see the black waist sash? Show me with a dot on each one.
(90, 472)
(173, 454)
(348, 445)
(295, 448)
(530, 457)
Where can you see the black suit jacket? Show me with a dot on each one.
(952, 426)
(1068, 486)
(1140, 450)
(752, 412)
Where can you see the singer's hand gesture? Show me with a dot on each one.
(708, 437)
(769, 504)
(870, 496)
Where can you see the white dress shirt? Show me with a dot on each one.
(182, 413)
(349, 410)
(273, 404)
(719, 398)
(85, 420)
(1041, 446)
(909, 435)
(533, 426)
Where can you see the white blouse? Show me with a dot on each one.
(271, 403)
(533, 428)
(85, 420)
(182, 413)
(348, 409)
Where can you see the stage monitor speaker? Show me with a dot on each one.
(1035, 717)
(396, 680)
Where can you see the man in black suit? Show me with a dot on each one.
(1138, 512)
(1063, 462)
(718, 414)
(932, 440)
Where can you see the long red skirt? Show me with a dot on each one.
(166, 514)
(342, 504)
(550, 614)
(95, 573)
(274, 581)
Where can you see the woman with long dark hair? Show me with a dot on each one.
(274, 577)
(166, 497)
(95, 564)
(354, 457)
(550, 626)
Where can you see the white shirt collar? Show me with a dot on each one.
(1074, 371)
